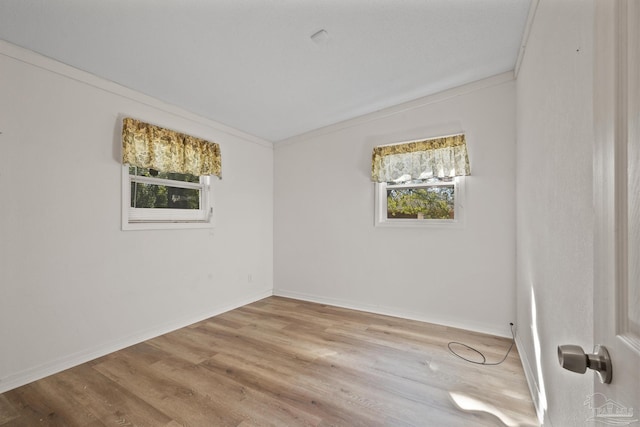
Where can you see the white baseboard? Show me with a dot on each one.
(394, 312)
(38, 372)
(531, 381)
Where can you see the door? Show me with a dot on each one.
(617, 209)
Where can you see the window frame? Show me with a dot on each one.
(161, 218)
(381, 219)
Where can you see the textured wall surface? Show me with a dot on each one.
(73, 285)
(327, 248)
(555, 203)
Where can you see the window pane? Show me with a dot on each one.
(162, 196)
(436, 202)
(133, 170)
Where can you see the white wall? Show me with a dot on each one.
(555, 204)
(328, 250)
(73, 286)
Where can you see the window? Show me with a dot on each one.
(422, 202)
(420, 183)
(153, 199)
(166, 178)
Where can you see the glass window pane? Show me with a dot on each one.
(436, 202)
(162, 196)
(133, 170)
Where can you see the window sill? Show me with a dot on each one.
(419, 223)
(131, 226)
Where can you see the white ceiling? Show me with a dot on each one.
(252, 65)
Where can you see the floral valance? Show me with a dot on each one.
(431, 158)
(164, 150)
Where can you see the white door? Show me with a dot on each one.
(617, 209)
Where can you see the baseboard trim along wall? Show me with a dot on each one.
(394, 312)
(55, 366)
(534, 389)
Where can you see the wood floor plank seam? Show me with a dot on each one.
(285, 362)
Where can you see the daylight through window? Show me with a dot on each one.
(420, 182)
(166, 178)
(421, 199)
(159, 198)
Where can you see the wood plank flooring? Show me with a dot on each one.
(283, 362)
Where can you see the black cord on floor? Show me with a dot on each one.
(484, 359)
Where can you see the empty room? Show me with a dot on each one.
(329, 213)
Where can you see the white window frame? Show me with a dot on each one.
(381, 219)
(158, 219)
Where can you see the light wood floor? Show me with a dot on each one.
(282, 362)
